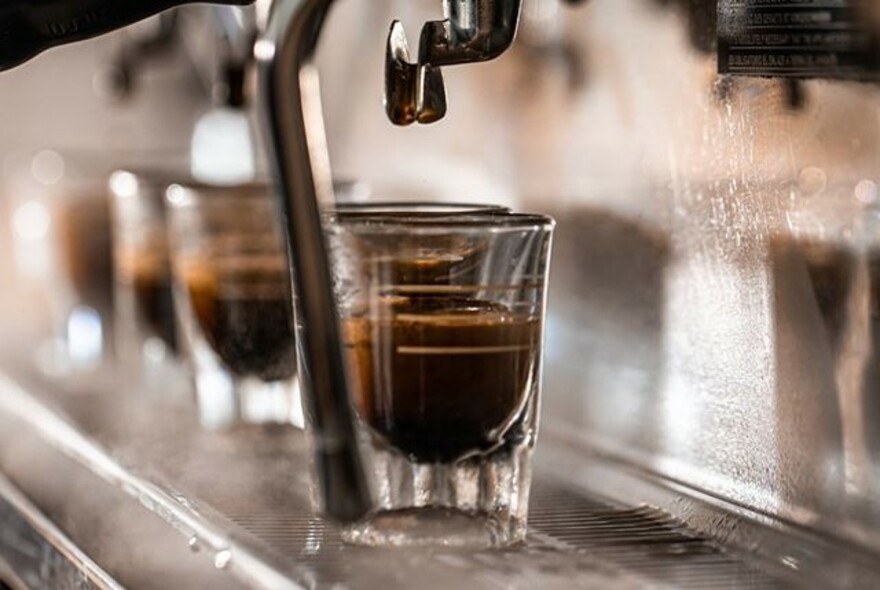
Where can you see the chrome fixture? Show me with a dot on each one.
(473, 31)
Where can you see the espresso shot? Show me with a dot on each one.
(442, 377)
(244, 310)
(233, 294)
(86, 249)
(147, 336)
(442, 322)
(146, 278)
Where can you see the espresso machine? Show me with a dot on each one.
(711, 356)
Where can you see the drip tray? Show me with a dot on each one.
(154, 502)
(575, 541)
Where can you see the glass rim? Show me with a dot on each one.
(417, 209)
(497, 221)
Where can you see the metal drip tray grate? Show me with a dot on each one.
(643, 540)
(575, 540)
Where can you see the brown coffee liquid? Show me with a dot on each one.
(85, 249)
(430, 270)
(245, 311)
(439, 377)
(148, 276)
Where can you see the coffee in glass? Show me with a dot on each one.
(442, 319)
(233, 295)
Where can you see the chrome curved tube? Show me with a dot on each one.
(292, 110)
(474, 31)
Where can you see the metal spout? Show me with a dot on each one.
(474, 31)
(292, 108)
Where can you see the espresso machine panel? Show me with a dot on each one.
(814, 39)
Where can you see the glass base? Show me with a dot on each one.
(480, 502)
(436, 527)
(226, 400)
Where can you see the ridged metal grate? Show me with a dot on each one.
(621, 547)
(642, 540)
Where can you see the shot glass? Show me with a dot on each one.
(145, 327)
(442, 319)
(233, 298)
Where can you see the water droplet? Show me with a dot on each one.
(222, 559)
(194, 544)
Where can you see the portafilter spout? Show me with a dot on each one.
(473, 31)
(476, 30)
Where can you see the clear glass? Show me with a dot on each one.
(146, 334)
(232, 292)
(442, 319)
